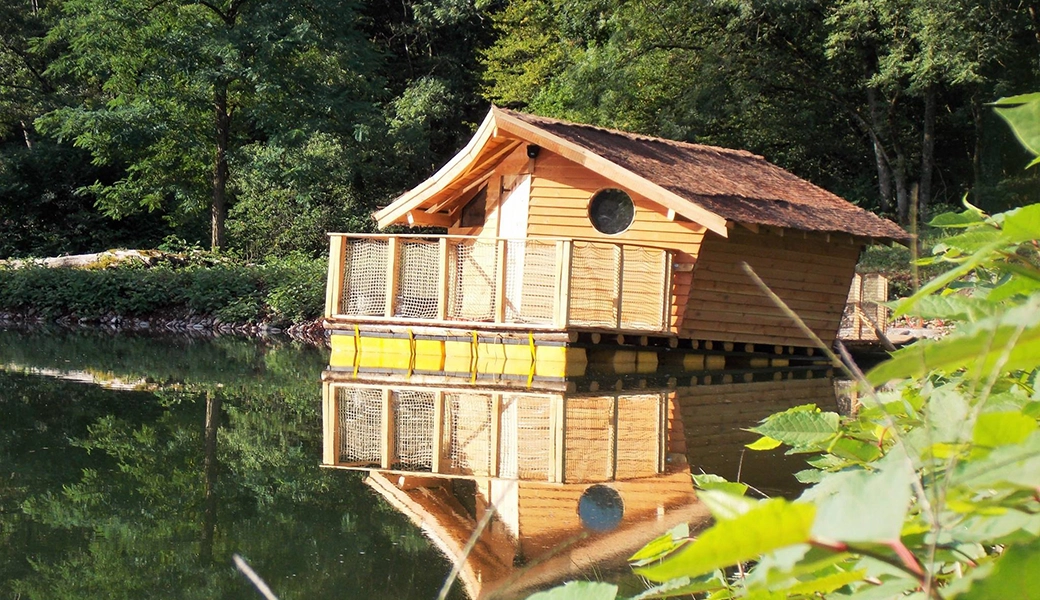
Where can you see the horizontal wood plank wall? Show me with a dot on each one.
(560, 194)
(809, 273)
(549, 512)
(715, 418)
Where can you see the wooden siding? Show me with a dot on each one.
(560, 194)
(810, 273)
(715, 419)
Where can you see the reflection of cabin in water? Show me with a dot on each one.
(444, 454)
(564, 231)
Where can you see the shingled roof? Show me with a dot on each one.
(709, 185)
(734, 184)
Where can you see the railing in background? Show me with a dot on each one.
(540, 283)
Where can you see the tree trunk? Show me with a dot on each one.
(218, 210)
(976, 157)
(209, 468)
(884, 173)
(927, 153)
(25, 135)
(902, 191)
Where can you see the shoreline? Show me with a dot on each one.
(308, 332)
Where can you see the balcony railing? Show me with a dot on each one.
(539, 283)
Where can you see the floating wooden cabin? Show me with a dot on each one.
(558, 232)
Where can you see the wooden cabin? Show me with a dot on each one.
(556, 232)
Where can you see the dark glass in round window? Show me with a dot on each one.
(600, 508)
(611, 211)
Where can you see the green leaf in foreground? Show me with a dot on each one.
(1002, 428)
(1015, 575)
(1024, 119)
(579, 590)
(978, 346)
(863, 506)
(772, 524)
(799, 427)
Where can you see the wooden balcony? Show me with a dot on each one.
(495, 283)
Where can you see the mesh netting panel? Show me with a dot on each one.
(413, 430)
(364, 277)
(639, 444)
(594, 285)
(360, 424)
(526, 447)
(417, 280)
(864, 303)
(468, 433)
(530, 281)
(874, 295)
(471, 277)
(588, 439)
(642, 296)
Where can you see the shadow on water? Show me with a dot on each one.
(182, 452)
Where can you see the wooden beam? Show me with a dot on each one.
(496, 433)
(334, 285)
(500, 281)
(392, 252)
(564, 253)
(419, 217)
(330, 429)
(442, 278)
(438, 432)
(387, 457)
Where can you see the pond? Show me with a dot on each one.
(137, 466)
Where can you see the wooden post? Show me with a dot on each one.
(330, 426)
(442, 279)
(496, 433)
(387, 458)
(335, 283)
(664, 399)
(666, 293)
(392, 251)
(564, 252)
(558, 427)
(619, 253)
(438, 431)
(615, 425)
(500, 281)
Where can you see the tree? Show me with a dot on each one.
(178, 87)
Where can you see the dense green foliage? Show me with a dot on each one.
(295, 120)
(278, 291)
(929, 490)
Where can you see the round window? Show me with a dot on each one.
(600, 508)
(611, 211)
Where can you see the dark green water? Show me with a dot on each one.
(125, 493)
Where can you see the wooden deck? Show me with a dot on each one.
(534, 284)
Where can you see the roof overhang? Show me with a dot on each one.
(498, 135)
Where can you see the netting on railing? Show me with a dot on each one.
(526, 448)
(418, 272)
(360, 424)
(364, 277)
(642, 285)
(531, 274)
(468, 431)
(588, 439)
(594, 285)
(472, 279)
(865, 303)
(413, 430)
(639, 439)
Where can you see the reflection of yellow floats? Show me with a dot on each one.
(473, 356)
